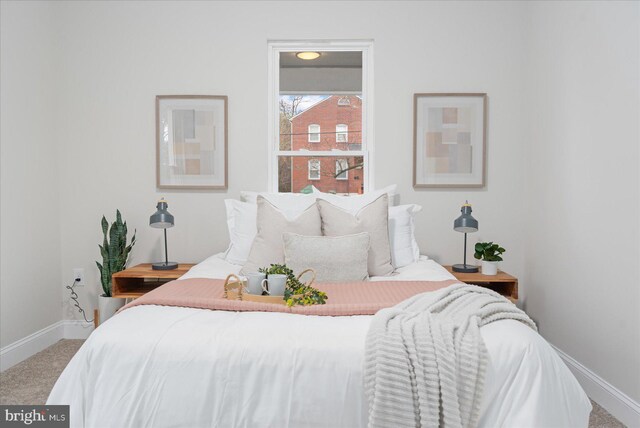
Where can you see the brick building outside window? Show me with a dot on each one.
(334, 123)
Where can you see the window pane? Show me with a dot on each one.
(313, 169)
(341, 133)
(314, 133)
(321, 122)
(320, 108)
(326, 173)
(342, 169)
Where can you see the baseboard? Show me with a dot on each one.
(616, 402)
(24, 348)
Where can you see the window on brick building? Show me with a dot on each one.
(342, 169)
(314, 133)
(320, 129)
(342, 133)
(314, 169)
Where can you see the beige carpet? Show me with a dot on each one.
(30, 381)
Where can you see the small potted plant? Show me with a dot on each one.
(115, 255)
(490, 254)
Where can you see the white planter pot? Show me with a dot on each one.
(489, 268)
(108, 306)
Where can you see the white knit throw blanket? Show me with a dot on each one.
(425, 358)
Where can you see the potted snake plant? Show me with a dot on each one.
(115, 255)
(490, 254)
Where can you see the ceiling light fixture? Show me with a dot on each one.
(308, 55)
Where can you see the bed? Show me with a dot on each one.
(157, 366)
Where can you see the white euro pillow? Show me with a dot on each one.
(402, 239)
(333, 258)
(291, 204)
(241, 222)
(354, 203)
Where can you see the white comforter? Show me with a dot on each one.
(154, 366)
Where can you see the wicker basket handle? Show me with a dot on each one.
(313, 278)
(228, 283)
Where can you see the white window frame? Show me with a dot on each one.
(309, 169)
(339, 168)
(345, 133)
(275, 47)
(317, 133)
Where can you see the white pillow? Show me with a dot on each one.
(291, 204)
(354, 203)
(333, 258)
(250, 196)
(241, 221)
(402, 239)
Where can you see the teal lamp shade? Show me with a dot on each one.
(465, 224)
(162, 219)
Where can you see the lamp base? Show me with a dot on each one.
(465, 268)
(164, 266)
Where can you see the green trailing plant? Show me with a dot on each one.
(296, 292)
(114, 250)
(489, 252)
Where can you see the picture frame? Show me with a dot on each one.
(192, 142)
(449, 140)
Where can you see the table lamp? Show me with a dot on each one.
(465, 224)
(162, 219)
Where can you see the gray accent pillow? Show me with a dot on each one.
(271, 224)
(374, 219)
(334, 258)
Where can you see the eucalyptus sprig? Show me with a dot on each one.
(296, 292)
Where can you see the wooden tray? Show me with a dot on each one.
(234, 289)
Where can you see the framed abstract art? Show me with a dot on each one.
(449, 140)
(191, 142)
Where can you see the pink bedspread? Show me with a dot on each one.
(347, 298)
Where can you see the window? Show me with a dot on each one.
(314, 133)
(310, 101)
(342, 169)
(314, 169)
(342, 133)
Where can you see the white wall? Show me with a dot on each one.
(29, 208)
(115, 57)
(583, 258)
(120, 55)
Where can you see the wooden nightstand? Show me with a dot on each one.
(138, 280)
(502, 283)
